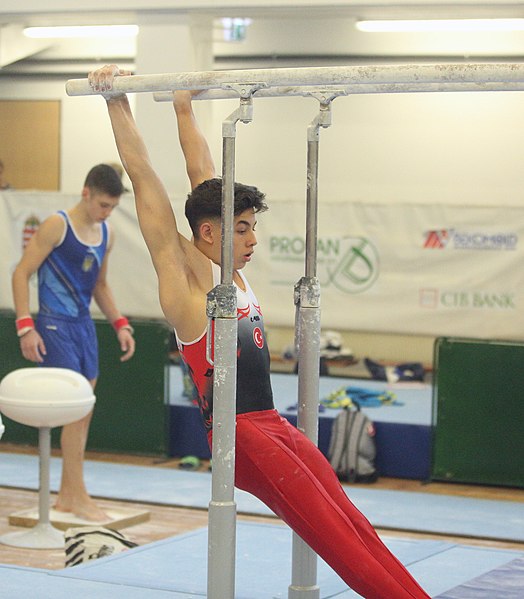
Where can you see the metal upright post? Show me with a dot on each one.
(307, 338)
(222, 310)
(44, 442)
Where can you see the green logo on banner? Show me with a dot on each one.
(351, 264)
(358, 266)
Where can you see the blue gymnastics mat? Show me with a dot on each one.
(506, 581)
(411, 511)
(176, 567)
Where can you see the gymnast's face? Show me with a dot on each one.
(244, 237)
(100, 205)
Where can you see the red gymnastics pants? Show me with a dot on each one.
(284, 469)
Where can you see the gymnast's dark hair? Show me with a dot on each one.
(205, 201)
(103, 178)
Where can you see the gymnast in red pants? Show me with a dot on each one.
(274, 461)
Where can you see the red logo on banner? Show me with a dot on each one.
(436, 239)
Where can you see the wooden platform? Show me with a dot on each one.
(119, 518)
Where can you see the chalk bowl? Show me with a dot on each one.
(45, 397)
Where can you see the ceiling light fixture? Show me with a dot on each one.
(440, 25)
(80, 31)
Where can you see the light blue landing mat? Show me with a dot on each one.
(32, 583)
(263, 567)
(421, 512)
(176, 568)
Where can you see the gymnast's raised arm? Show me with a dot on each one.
(199, 162)
(182, 270)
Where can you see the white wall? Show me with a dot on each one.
(446, 147)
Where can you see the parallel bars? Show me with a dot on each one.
(408, 75)
(328, 82)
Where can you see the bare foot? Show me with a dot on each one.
(85, 509)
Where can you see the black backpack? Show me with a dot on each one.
(352, 448)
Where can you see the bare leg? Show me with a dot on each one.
(73, 496)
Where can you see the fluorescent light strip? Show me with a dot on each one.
(440, 25)
(81, 31)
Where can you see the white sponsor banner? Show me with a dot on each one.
(404, 268)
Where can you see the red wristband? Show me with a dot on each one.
(122, 323)
(24, 325)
